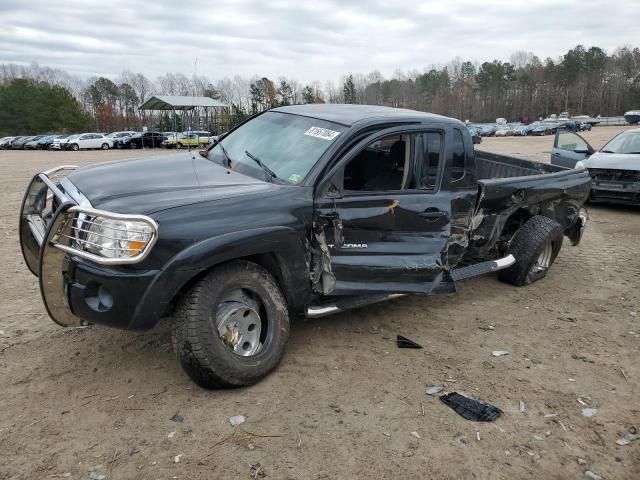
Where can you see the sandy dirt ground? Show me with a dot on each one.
(98, 403)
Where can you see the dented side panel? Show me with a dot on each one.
(559, 196)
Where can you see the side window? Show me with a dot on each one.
(571, 141)
(380, 166)
(432, 148)
(458, 156)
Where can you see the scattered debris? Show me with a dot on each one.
(633, 314)
(97, 476)
(60, 475)
(582, 357)
(386, 434)
(523, 407)
(257, 471)
(336, 408)
(407, 454)
(624, 374)
(488, 327)
(177, 418)
(404, 342)
(477, 435)
(538, 437)
(433, 390)
(589, 412)
(627, 439)
(177, 458)
(475, 410)
(416, 435)
(237, 420)
(187, 430)
(581, 461)
(499, 353)
(171, 435)
(550, 415)
(592, 476)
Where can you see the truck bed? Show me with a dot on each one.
(493, 166)
(508, 185)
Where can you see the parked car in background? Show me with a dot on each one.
(633, 117)
(115, 136)
(33, 143)
(88, 141)
(543, 129)
(61, 143)
(520, 131)
(19, 142)
(143, 139)
(192, 139)
(5, 142)
(46, 143)
(504, 131)
(487, 130)
(584, 127)
(614, 170)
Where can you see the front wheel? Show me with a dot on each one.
(105, 146)
(535, 246)
(133, 145)
(232, 326)
(75, 147)
(178, 146)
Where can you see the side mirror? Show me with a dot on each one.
(203, 153)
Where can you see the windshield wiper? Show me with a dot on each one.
(261, 163)
(607, 151)
(224, 152)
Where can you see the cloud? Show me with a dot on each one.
(319, 40)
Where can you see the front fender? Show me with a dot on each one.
(286, 243)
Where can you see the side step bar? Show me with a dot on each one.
(350, 302)
(482, 268)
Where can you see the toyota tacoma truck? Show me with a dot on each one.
(310, 209)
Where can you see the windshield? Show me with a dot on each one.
(289, 145)
(624, 143)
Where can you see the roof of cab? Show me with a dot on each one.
(350, 114)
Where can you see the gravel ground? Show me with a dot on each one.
(81, 403)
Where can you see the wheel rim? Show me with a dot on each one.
(240, 325)
(544, 259)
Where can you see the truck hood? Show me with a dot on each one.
(614, 161)
(150, 184)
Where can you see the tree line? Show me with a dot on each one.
(582, 81)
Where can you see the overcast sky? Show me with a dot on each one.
(306, 40)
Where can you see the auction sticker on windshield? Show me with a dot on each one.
(323, 133)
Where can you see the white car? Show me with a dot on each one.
(87, 141)
(61, 143)
(6, 142)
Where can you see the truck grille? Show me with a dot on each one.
(611, 175)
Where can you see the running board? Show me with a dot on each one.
(348, 303)
(482, 268)
(351, 302)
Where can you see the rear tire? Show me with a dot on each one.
(535, 246)
(215, 347)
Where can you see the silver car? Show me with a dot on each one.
(615, 169)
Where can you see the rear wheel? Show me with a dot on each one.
(231, 326)
(535, 246)
(178, 145)
(133, 145)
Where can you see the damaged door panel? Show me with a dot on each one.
(382, 233)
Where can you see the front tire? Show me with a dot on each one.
(105, 146)
(535, 246)
(75, 147)
(133, 145)
(232, 326)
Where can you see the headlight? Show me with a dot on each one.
(579, 166)
(112, 238)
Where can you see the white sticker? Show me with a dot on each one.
(323, 133)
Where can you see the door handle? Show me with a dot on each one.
(432, 214)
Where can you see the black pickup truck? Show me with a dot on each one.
(310, 209)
